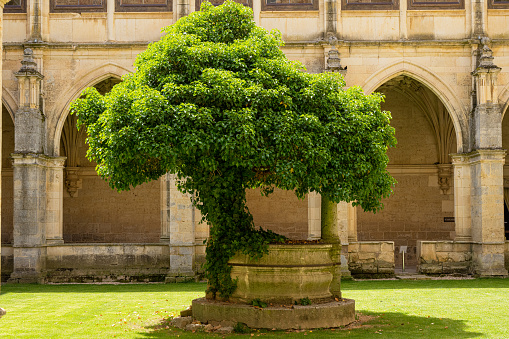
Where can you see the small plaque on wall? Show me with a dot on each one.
(448, 219)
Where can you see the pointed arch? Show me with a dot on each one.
(9, 102)
(89, 79)
(503, 100)
(430, 80)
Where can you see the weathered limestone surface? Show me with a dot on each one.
(487, 212)
(334, 314)
(286, 274)
(182, 218)
(445, 257)
(107, 263)
(374, 258)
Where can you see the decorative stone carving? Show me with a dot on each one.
(486, 74)
(29, 81)
(444, 177)
(72, 181)
(29, 120)
(333, 62)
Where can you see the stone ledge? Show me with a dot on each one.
(333, 314)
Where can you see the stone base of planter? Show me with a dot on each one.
(332, 314)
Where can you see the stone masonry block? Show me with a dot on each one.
(386, 257)
(366, 257)
(387, 247)
(369, 247)
(442, 246)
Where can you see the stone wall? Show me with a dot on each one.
(281, 212)
(445, 257)
(99, 214)
(371, 258)
(107, 262)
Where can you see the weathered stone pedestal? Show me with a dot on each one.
(333, 314)
(285, 275)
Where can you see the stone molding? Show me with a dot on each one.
(40, 160)
(486, 155)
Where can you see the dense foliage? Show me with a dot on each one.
(216, 102)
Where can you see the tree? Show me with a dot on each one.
(217, 102)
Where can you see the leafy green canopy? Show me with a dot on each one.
(216, 102)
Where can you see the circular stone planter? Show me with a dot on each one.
(286, 274)
(326, 315)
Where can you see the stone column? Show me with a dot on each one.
(403, 32)
(182, 9)
(462, 206)
(257, 8)
(29, 176)
(2, 3)
(35, 21)
(352, 223)
(330, 234)
(330, 18)
(487, 168)
(165, 208)
(314, 216)
(110, 19)
(29, 216)
(181, 220)
(486, 163)
(343, 219)
(55, 200)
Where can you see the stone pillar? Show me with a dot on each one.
(38, 181)
(2, 3)
(35, 21)
(29, 216)
(352, 223)
(487, 168)
(330, 234)
(110, 19)
(182, 9)
(29, 177)
(343, 219)
(55, 200)
(181, 220)
(462, 206)
(486, 165)
(330, 18)
(165, 208)
(257, 8)
(314, 216)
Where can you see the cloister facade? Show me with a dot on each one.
(443, 67)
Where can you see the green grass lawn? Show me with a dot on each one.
(400, 309)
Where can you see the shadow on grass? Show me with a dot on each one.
(392, 324)
(103, 288)
(424, 284)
